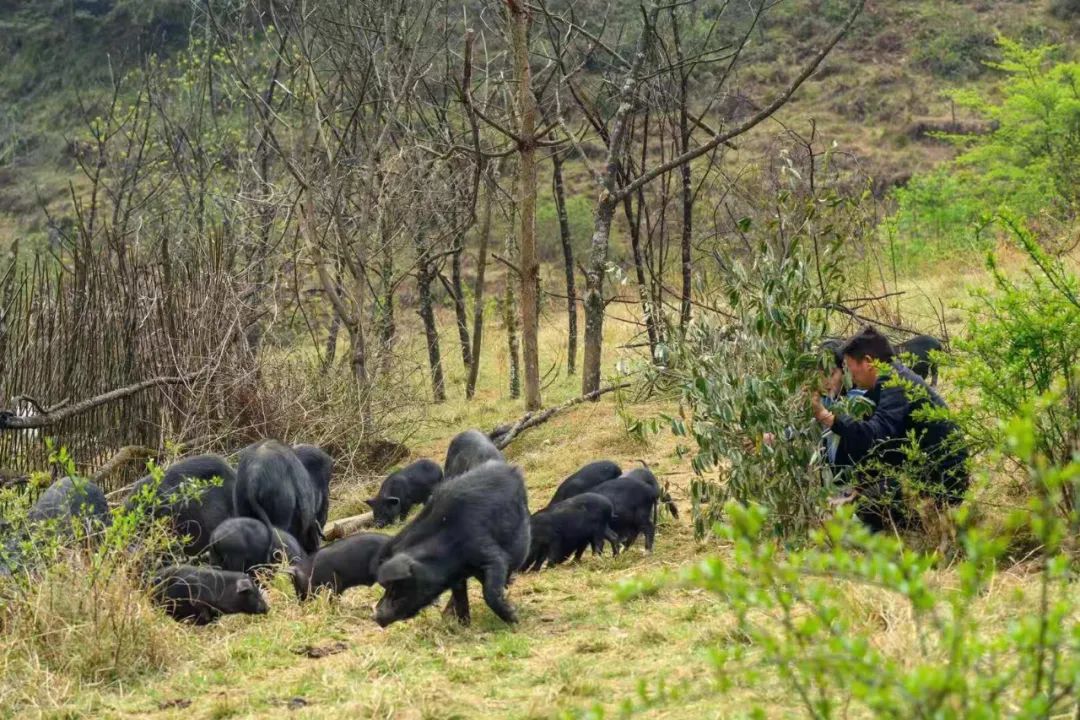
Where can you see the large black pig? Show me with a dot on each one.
(319, 466)
(194, 514)
(272, 485)
(201, 595)
(474, 526)
(401, 490)
(72, 499)
(468, 450)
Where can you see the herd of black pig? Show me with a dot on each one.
(269, 512)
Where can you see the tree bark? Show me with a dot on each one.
(687, 179)
(510, 316)
(478, 288)
(528, 264)
(424, 278)
(568, 260)
(457, 290)
(605, 210)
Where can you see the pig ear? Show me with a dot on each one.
(244, 585)
(372, 502)
(399, 567)
(393, 501)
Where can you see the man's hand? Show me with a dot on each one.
(821, 413)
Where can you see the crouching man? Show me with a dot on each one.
(876, 449)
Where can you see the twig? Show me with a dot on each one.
(10, 421)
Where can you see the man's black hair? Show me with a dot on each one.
(868, 343)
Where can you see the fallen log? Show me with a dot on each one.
(504, 434)
(347, 526)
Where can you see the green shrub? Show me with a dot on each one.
(741, 374)
(798, 619)
(1065, 9)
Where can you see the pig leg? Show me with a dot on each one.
(495, 591)
(650, 536)
(459, 603)
(613, 539)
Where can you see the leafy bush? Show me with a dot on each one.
(1065, 9)
(1023, 341)
(957, 51)
(742, 374)
(797, 613)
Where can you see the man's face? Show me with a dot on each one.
(863, 371)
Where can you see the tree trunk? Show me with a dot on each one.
(568, 261)
(605, 210)
(510, 317)
(424, 278)
(528, 264)
(459, 304)
(478, 289)
(386, 327)
(687, 179)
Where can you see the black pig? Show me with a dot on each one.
(921, 347)
(70, 498)
(635, 502)
(474, 526)
(193, 517)
(201, 595)
(245, 544)
(568, 528)
(339, 565)
(467, 451)
(272, 485)
(401, 490)
(586, 479)
(645, 475)
(319, 466)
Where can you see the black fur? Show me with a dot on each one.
(245, 544)
(273, 486)
(586, 479)
(567, 528)
(468, 450)
(635, 502)
(319, 466)
(72, 498)
(201, 595)
(474, 526)
(339, 565)
(401, 490)
(195, 517)
(921, 347)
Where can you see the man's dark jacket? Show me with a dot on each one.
(883, 435)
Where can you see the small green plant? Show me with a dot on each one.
(796, 611)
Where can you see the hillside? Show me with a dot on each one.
(881, 95)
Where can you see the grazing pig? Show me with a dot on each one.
(586, 479)
(272, 485)
(567, 528)
(72, 498)
(339, 565)
(200, 595)
(635, 502)
(319, 466)
(474, 526)
(193, 517)
(921, 347)
(467, 451)
(645, 475)
(245, 544)
(412, 485)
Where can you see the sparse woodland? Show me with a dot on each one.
(590, 229)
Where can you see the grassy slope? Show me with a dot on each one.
(575, 646)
